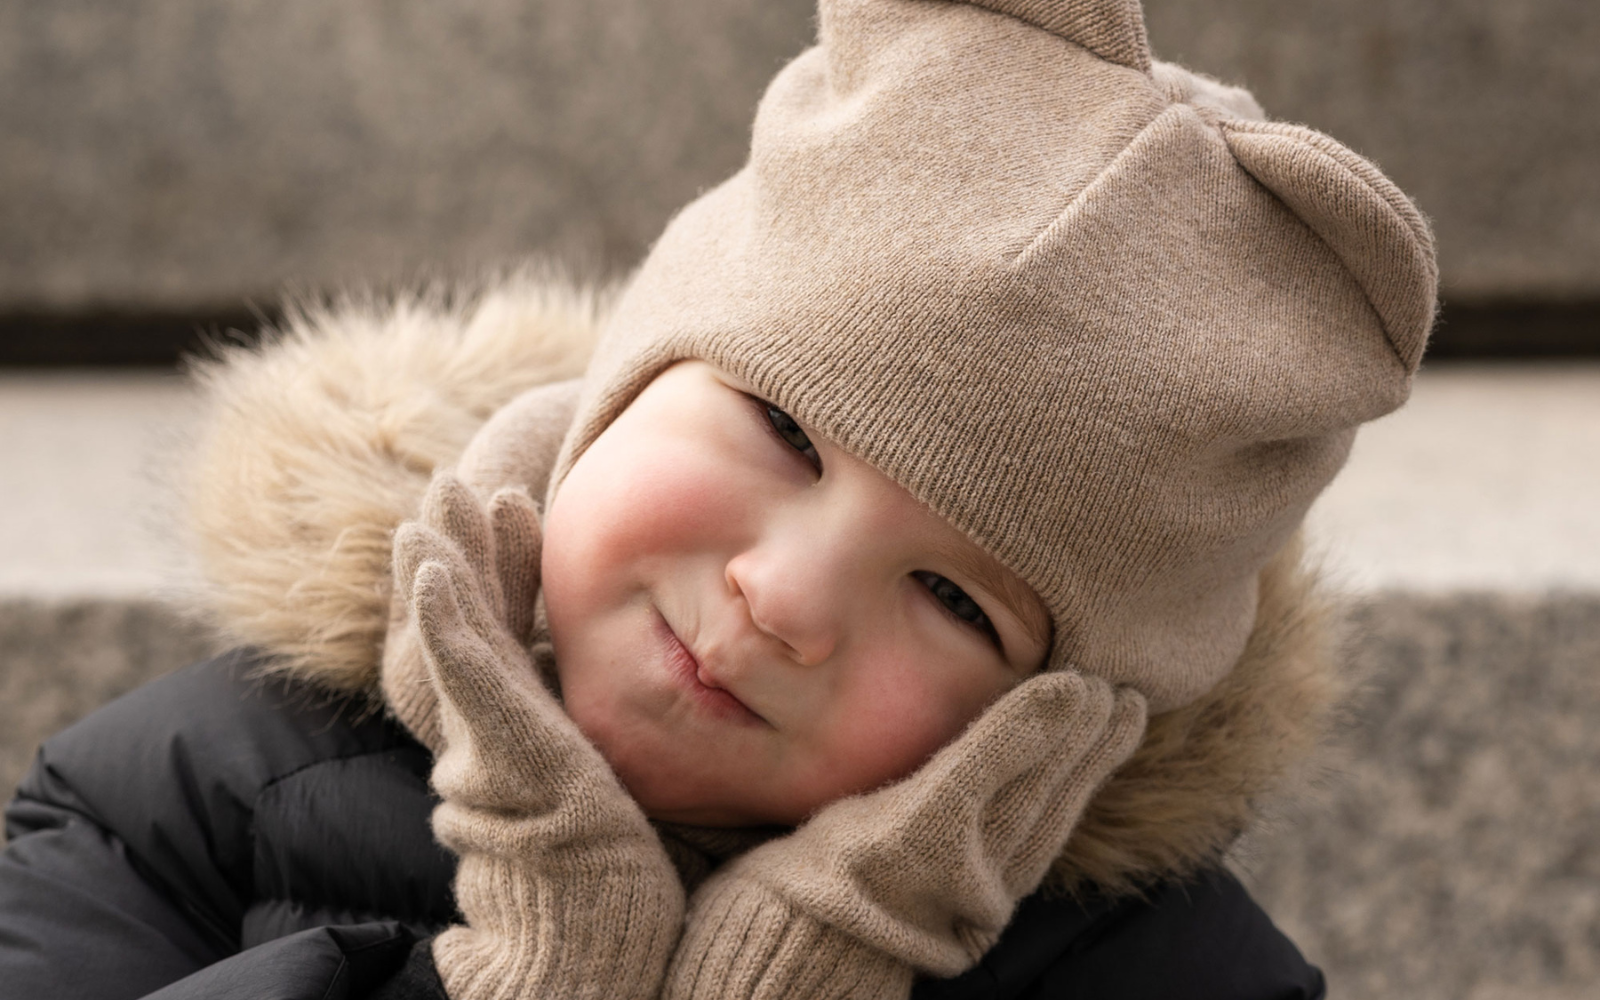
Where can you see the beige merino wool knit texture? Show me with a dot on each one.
(1088, 307)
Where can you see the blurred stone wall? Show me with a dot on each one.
(184, 155)
(61, 659)
(180, 153)
(1452, 851)
(1481, 110)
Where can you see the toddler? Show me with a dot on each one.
(905, 600)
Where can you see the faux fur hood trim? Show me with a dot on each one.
(321, 441)
(1204, 773)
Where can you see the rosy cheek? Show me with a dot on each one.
(661, 501)
(892, 721)
(600, 717)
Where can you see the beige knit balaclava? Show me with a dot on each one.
(1088, 307)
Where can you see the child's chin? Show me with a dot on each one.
(677, 789)
(669, 802)
(664, 806)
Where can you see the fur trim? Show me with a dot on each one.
(322, 440)
(1200, 777)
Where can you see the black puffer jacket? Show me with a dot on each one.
(212, 836)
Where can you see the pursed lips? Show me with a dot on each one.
(693, 674)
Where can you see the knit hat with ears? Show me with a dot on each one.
(1088, 307)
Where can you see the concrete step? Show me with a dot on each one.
(1449, 851)
(1488, 480)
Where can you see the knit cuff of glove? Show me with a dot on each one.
(605, 932)
(745, 941)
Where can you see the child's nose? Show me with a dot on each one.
(794, 589)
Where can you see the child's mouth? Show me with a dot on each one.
(692, 676)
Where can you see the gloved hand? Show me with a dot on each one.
(566, 890)
(920, 876)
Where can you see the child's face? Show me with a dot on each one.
(750, 622)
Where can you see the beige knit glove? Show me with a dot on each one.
(566, 890)
(921, 876)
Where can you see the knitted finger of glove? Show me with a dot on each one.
(566, 890)
(920, 876)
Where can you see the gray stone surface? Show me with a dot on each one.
(1482, 110)
(86, 510)
(187, 154)
(61, 659)
(163, 153)
(1455, 851)
(1489, 479)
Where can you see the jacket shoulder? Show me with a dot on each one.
(1202, 938)
(1198, 939)
(176, 770)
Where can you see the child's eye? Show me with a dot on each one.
(957, 602)
(785, 427)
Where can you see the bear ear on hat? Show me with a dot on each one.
(1185, 86)
(1111, 29)
(1375, 230)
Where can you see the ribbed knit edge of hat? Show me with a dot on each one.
(1111, 29)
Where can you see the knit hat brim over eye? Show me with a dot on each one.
(1090, 308)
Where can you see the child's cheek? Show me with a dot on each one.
(630, 504)
(895, 717)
